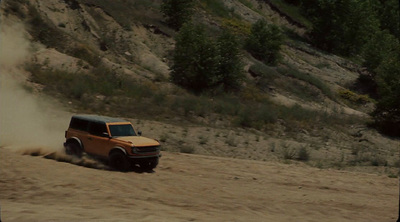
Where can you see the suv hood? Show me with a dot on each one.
(139, 141)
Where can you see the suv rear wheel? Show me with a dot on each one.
(119, 161)
(73, 148)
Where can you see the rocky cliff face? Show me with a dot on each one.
(77, 35)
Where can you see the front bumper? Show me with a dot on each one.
(158, 155)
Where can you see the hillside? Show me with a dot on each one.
(306, 102)
(300, 128)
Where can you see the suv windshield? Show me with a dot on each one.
(122, 130)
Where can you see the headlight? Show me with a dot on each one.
(134, 150)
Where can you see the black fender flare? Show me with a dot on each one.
(117, 149)
(76, 140)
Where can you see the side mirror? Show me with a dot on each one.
(139, 133)
(105, 134)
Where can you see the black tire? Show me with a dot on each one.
(119, 161)
(73, 149)
(150, 164)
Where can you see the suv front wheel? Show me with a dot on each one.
(119, 161)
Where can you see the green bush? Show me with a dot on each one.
(203, 140)
(292, 8)
(83, 52)
(303, 154)
(256, 115)
(226, 105)
(236, 25)
(164, 137)
(264, 42)
(292, 72)
(101, 81)
(217, 8)
(263, 71)
(354, 97)
(186, 149)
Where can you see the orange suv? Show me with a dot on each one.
(112, 139)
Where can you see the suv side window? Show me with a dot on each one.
(79, 124)
(97, 129)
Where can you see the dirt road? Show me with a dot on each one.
(191, 188)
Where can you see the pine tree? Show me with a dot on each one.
(343, 26)
(230, 68)
(387, 112)
(264, 42)
(195, 59)
(201, 64)
(177, 12)
(377, 48)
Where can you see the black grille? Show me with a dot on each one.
(147, 149)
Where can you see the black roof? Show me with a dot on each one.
(96, 118)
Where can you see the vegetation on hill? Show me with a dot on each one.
(264, 42)
(349, 28)
(367, 29)
(200, 63)
(177, 12)
(229, 64)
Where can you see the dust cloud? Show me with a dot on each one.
(26, 120)
(29, 124)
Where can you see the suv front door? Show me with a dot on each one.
(98, 142)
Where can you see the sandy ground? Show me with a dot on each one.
(184, 187)
(191, 188)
